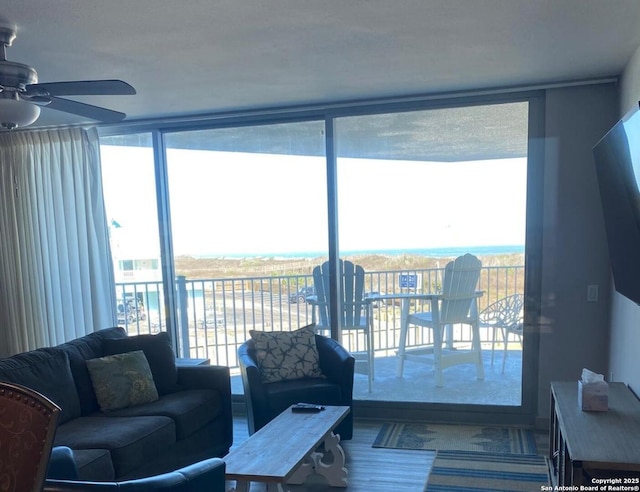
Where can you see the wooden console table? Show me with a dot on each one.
(605, 441)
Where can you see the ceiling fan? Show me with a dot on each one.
(21, 96)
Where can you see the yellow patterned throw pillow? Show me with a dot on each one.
(284, 355)
(122, 380)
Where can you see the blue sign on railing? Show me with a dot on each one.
(408, 280)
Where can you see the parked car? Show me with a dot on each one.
(302, 294)
(130, 310)
(125, 319)
(212, 323)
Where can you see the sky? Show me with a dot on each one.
(234, 203)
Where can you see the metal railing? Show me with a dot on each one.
(216, 315)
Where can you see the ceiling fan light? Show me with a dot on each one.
(17, 113)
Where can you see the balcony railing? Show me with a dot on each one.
(216, 315)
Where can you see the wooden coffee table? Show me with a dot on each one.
(286, 450)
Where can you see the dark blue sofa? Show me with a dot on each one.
(191, 421)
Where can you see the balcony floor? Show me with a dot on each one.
(418, 383)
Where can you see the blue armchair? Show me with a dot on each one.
(265, 401)
(203, 476)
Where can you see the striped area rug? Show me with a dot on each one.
(456, 437)
(465, 471)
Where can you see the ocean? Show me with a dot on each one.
(431, 252)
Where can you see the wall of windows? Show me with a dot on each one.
(237, 212)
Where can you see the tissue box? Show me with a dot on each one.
(593, 397)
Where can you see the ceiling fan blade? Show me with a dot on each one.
(81, 88)
(87, 110)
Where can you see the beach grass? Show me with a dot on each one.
(201, 268)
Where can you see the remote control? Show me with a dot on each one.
(306, 408)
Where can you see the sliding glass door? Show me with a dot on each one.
(216, 229)
(249, 222)
(416, 190)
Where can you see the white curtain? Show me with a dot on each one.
(56, 273)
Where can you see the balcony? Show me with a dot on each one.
(216, 315)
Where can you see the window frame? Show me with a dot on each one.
(526, 412)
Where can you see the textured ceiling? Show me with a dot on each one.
(208, 56)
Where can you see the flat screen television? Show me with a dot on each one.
(617, 158)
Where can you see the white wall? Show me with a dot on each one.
(625, 315)
(574, 333)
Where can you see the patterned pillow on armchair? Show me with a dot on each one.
(286, 355)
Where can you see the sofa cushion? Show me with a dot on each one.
(94, 465)
(131, 441)
(48, 372)
(284, 355)
(157, 349)
(80, 350)
(122, 380)
(191, 410)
